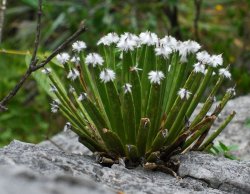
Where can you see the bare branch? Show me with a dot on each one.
(2, 13)
(80, 30)
(197, 4)
(34, 65)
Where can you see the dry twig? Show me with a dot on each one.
(34, 63)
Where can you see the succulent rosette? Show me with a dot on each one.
(135, 97)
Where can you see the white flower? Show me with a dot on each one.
(52, 88)
(94, 59)
(46, 70)
(231, 91)
(78, 46)
(199, 68)
(73, 74)
(192, 46)
(183, 51)
(63, 58)
(67, 127)
(55, 106)
(110, 38)
(164, 51)
(186, 48)
(127, 88)
(135, 68)
(203, 57)
(155, 76)
(183, 93)
(107, 75)
(75, 59)
(127, 42)
(148, 38)
(71, 89)
(169, 41)
(82, 96)
(216, 60)
(224, 72)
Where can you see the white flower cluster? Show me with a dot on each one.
(199, 68)
(184, 94)
(107, 75)
(128, 42)
(78, 46)
(94, 59)
(162, 50)
(148, 38)
(73, 74)
(155, 77)
(163, 47)
(109, 39)
(186, 48)
(212, 60)
(63, 58)
(127, 88)
(169, 44)
(225, 73)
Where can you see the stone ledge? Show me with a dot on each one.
(202, 173)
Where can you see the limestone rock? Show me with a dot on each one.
(218, 172)
(18, 179)
(202, 173)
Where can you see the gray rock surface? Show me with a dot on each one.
(18, 179)
(202, 173)
(218, 172)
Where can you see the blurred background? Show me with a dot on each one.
(221, 26)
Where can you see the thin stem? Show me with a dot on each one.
(217, 132)
(38, 32)
(2, 14)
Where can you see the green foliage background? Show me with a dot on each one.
(224, 27)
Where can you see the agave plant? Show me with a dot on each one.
(135, 99)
